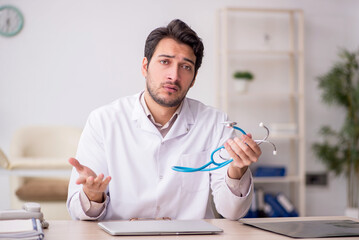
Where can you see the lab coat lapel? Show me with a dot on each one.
(139, 116)
(183, 123)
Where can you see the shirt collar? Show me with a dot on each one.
(150, 116)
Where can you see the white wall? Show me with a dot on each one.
(73, 56)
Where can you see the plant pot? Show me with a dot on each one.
(352, 212)
(241, 86)
(352, 209)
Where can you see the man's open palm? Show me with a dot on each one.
(94, 185)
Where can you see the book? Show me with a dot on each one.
(269, 171)
(269, 212)
(270, 205)
(287, 205)
(260, 203)
(277, 208)
(21, 229)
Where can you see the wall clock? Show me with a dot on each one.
(11, 21)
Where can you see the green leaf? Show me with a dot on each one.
(340, 87)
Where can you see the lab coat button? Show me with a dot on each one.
(160, 177)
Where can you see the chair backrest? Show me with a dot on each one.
(4, 162)
(45, 142)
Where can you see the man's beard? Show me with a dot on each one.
(162, 101)
(166, 102)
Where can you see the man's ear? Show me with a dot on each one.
(144, 66)
(193, 81)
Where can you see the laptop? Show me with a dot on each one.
(159, 227)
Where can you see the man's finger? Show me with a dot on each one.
(75, 163)
(81, 180)
(253, 145)
(233, 155)
(107, 180)
(105, 183)
(90, 180)
(245, 151)
(98, 179)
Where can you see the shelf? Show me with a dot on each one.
(269, 180)
(269, 95)
(270, 44)
(275, 135)
(262, 52)
(256, 10)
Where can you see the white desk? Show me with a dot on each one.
(233, 230)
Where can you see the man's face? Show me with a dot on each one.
(170, 74)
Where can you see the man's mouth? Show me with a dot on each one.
(170, 88)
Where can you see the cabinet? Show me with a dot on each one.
(269, 44)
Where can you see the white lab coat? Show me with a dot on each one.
(120, 141)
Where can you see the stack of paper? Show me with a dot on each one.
(21, 229)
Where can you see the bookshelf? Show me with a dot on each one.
(269, 43)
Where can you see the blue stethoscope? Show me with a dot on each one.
(226, 160)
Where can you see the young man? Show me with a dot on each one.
(135, 141)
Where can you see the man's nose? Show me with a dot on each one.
(173, 73)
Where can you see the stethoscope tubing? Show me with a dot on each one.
(227, 161)
(203, 168)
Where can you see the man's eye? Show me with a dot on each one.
(189, 68)
(164, 62)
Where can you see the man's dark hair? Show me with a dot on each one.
(180, 32)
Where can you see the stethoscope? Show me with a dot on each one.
(226, 160)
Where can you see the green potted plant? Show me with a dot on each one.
(340, 149)
(241, 80)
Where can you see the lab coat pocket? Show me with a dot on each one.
(195, 181)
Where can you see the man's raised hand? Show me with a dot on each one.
(94, 185)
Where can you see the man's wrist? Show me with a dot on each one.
(236, 172)
(95, 197)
